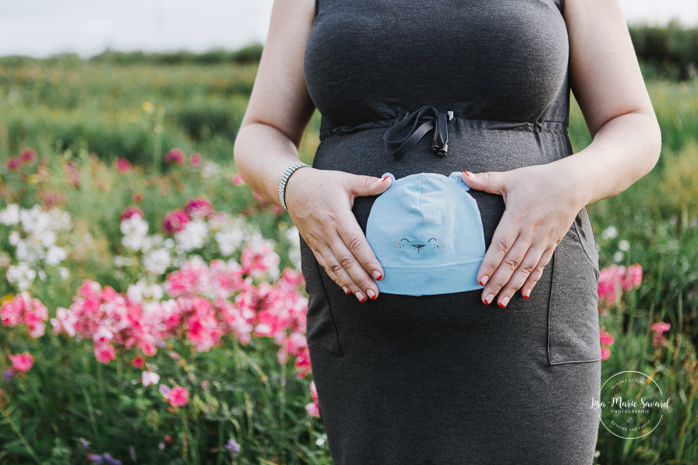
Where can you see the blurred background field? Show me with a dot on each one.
(156, 130)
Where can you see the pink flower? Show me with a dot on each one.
(613, 281)
(199, 207)
(105, 353)
(24, 309)
(65, 321)
(149, 378)
(13, 163)
(605, 353)
(313, 391)
(175, 221)
(606, 338)
(123, 165)
(661, 327)
(258, 258)
(129, 212)
(22, 362)
(313, 409)
(27, 156)
(139, 361)
(237, 180)
(137, 196)
(195, 159)
(174, 156)
(73, 174)
(178, 396)
(633, 278)
(168, 438)
(659, 337)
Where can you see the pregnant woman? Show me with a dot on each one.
(501, 372)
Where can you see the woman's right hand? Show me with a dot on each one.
(320, 204)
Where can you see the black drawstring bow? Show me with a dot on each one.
(436, 121)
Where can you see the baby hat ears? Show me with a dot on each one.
(390, 175)
(458, 177)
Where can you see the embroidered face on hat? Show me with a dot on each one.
(426, 232)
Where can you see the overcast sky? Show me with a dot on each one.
(44, 27)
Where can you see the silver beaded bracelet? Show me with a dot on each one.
(284, 179)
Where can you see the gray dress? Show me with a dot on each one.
(444, 379)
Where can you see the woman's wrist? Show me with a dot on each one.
(296, 180)
(284, 180)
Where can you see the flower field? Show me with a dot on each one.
(153, 308)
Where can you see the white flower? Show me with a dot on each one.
(209, 168)
(10, 215)
(64, 273)
(14, 238)
(135, 291)
(48, 238)
(624, 245)
(134, 226)
(229, 240)
(609, 233)
(133, 242)
(153, 292)
(26, 253)
(21, 275)
(55, 255)
(294, 252)
(193, 236)
(618, 256)
(149, 378)
(157, 261)
(42, 275)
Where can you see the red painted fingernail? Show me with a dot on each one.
(347, 291)
(386, 177)
(466, 173)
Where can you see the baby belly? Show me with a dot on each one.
(474, 145)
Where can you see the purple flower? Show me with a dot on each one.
(95, 458)
(85, 443)
(164, 389)
(8, 374)
(232, 446)
(111, 460)
(132, 451)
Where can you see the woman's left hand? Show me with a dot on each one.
(542, 202)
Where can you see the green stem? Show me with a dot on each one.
(19, 435)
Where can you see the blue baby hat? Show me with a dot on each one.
(426, 232)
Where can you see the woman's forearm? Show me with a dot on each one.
(262, 153)
(623, 150)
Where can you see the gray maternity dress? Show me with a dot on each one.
(444, 379)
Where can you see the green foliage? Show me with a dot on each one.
(671, 50)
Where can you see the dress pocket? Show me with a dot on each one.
(321, 331)
(573, 314)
